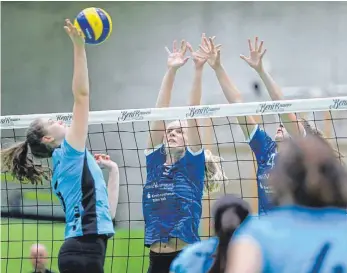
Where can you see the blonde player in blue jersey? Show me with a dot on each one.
(209, 256)
(175, 159)
(307, 232)
(77, 179)
(263, 146)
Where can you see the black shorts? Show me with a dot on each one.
(84, 254)
(160, 262)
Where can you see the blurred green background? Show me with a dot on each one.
(125, 252)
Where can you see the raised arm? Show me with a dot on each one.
(256, 53)
(208, 133)
(176, 59)
(194, 137)
(113, 181)
(232, 94)
(77, 134)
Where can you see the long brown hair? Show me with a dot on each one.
(310, 130)
(308, 173)
(15, 158)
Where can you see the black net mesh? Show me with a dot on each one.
(32, 214)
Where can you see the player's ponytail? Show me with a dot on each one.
(228, 212)
(16, 161)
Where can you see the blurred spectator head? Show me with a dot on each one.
(38, 257)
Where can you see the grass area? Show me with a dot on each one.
(125, 252)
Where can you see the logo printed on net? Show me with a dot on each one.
(9, 121)
(65, 118)
(338, 104)
(201, 111)
(273, 107)
(133, 115)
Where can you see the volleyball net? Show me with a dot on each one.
(32, 214)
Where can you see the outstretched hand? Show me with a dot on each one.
(198, 57)
(75, 34)
(105, 161)
(256, 55)
(210, 51)
(177, 58)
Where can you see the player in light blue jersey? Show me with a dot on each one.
(175, 159)
(209, 256)
(307, 233)
(77, 179)
(263, 146)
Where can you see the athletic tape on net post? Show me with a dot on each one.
(188, 112)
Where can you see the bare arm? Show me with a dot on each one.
(230, 90)
(176, 59)
(208, 135)
(244, 256)
(290, 121)
(232, 94)
(113, 190)
(194, 138)
(113, 181)
(77, 133)
(157, 128)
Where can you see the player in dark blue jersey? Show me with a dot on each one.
(263, 146)
(307, 232)
(172, 195)
(209, 256)
(77, 179)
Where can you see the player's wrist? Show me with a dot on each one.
(199, 68)
(172, 69)
(260, 70)
(218, 68)
(113, 167)
(78, 46)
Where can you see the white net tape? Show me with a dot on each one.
(181, 113)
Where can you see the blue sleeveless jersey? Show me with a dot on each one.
(172, 197)
(264, 149)
(79, 184)
(196, 258)
(296, 239)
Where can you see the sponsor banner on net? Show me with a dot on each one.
(275, 107)
(134, 115)
(201, 111)
(66, 118)
(9, 121)
(338, 104)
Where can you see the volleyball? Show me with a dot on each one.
(95, 24)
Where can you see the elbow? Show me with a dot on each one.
(80, 92)
(234, 98)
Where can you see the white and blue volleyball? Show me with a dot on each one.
(95, 24)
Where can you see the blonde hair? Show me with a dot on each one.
(214, 174)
